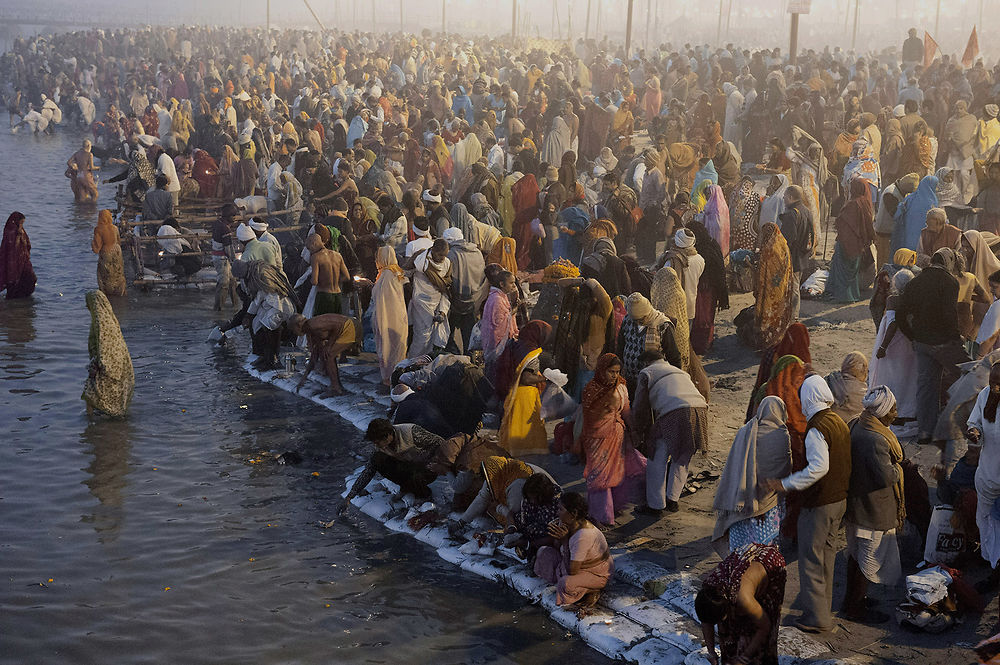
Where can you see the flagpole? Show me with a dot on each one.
(937, 18)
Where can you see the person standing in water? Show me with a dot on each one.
(107, 245)
(17, 276)
(80, 171)
(110, 379)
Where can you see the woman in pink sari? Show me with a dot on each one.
(615, 471)
(579, 563)
(715, 217)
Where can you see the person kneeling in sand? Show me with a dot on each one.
(328, 335)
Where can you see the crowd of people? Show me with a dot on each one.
(538, 236)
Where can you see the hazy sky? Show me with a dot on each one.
(754, 22)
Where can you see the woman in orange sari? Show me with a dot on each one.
(786, 379)
(615, 471)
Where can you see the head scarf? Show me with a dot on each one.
(879, 401)
(947, 191)
(904, 257)
(462, 220)
(716, 217)
(908, 183)
(944, 258)
(815, 395)
(684, 238)
(667, 295)
(641, 311)
(738, 491)
(385, 259)
(244, 233)
(596, 388)
(984, 262)
(774, 204)
(855, 364)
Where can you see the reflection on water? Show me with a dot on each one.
(109, 442)
(116, 513)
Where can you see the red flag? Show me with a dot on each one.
(971, 49)
(930, 47)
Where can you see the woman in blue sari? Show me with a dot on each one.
(911, 215)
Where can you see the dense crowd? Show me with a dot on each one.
(546, 235)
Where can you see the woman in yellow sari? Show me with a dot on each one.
(522, 431)
(776, 293)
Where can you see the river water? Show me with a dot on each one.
(154, 539)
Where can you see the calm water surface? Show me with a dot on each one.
(99, 518)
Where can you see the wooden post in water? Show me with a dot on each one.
(444, 28)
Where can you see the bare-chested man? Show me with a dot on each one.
(329, 335)
(328, 275)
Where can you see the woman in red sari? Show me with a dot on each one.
(17, 275)
(206, 172)
(615, 471)
(524, 196)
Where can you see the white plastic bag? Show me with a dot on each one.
(944, 542)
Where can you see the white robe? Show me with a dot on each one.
(987, 479)
(897, 370)
(424, 304)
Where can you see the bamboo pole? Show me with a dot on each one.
(205, 218)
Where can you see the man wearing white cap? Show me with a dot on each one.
(437, 214)
(254, 249)
(688, 264)
(423, 240)
(260, 228)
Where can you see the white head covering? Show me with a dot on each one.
(244, 233)
(899, 111)
(879, 400)
(453, 233)
(257, 225)
(558, 378)
(815, 395)
(684, 238)
(400, 392)
(421, 233)
(431, 198)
